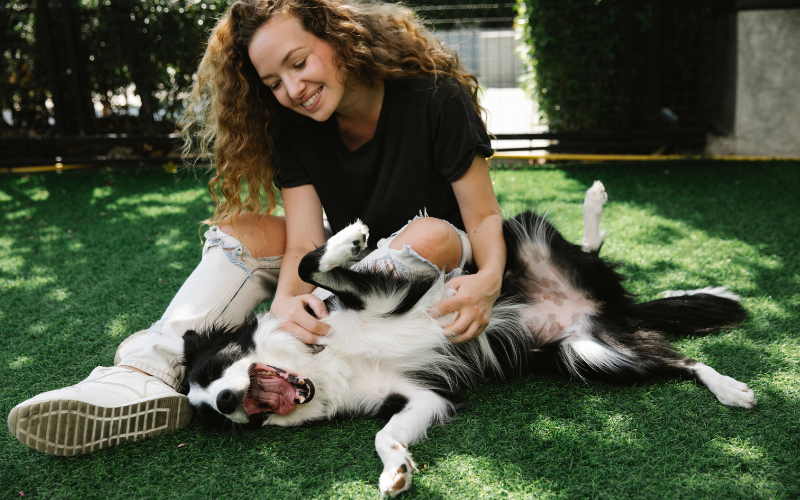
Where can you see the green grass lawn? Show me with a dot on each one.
(89, 257)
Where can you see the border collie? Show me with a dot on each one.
(562, 310)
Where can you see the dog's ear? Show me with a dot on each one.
(212, 340)
(193, 344)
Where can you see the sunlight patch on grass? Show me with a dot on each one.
(4, 197)
(119, 327)
(38, 194)
(20, 362)
(20, 214)
(784, 382)
(58, 295)
(172, 241)
(672, 255)
(180, 197)
(178, 266)
(29, 283)
(465, 476)
(736, 447)
(38, 327)
(11, 264)
(351, 489)
(155, 211)
(617, 428)
(769, 309)
(100, 193)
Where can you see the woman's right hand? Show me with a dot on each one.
(295, 318)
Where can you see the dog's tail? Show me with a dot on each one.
(690, 313)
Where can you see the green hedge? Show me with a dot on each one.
(615, 64)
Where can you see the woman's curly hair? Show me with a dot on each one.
(231, 114)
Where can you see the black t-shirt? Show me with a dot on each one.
(427, 136)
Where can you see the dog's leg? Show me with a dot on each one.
(593, 237)
(406, 427)
(343, 247)
(728, 391)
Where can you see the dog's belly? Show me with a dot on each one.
(557, 310)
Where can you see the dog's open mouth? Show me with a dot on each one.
(273, 390)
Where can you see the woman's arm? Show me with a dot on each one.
(304, 232)
(483, 220)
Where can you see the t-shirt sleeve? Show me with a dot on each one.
(460, 132)
(289, 170)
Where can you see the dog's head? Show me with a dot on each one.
(228, 384)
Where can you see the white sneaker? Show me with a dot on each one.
(112, 405)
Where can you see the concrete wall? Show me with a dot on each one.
(767, 115)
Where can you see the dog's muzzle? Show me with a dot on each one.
(273, 390)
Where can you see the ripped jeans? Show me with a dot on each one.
(226, 287)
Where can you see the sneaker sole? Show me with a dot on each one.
(67, 428)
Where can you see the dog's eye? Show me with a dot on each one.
(215, 368)
(206, 373)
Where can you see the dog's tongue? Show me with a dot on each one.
(273, 390)
(269, 392)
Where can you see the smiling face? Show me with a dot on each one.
(298, 67)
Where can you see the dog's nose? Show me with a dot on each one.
(227, 401)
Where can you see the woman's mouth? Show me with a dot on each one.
(309, 104)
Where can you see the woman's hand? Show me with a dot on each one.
(474, 298)
(295, 318)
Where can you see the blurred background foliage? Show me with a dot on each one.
(98, 59)
(615, 64)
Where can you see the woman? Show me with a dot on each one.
(346, 106)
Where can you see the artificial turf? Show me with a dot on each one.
(89, 257)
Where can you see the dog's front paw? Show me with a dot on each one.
(344, 246)
(396, 478)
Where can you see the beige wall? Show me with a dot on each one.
(768, 86)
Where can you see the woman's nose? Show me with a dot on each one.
(295, 87)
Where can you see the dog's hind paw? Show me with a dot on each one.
(396, 479)
(344, 246)
(731, 392)
(593, 237)
(728, 391)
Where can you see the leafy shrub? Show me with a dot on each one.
(614, 64)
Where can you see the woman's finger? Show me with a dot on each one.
(445, 307)
(316, 305)
(473, 331)
(460, 325)
(301, 333)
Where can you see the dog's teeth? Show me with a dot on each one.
(301, 400)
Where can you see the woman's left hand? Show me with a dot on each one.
(474, 298)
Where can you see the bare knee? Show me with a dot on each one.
(434, 239)
(264, 235)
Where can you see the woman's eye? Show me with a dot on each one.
(275, 86)
(300, 65)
